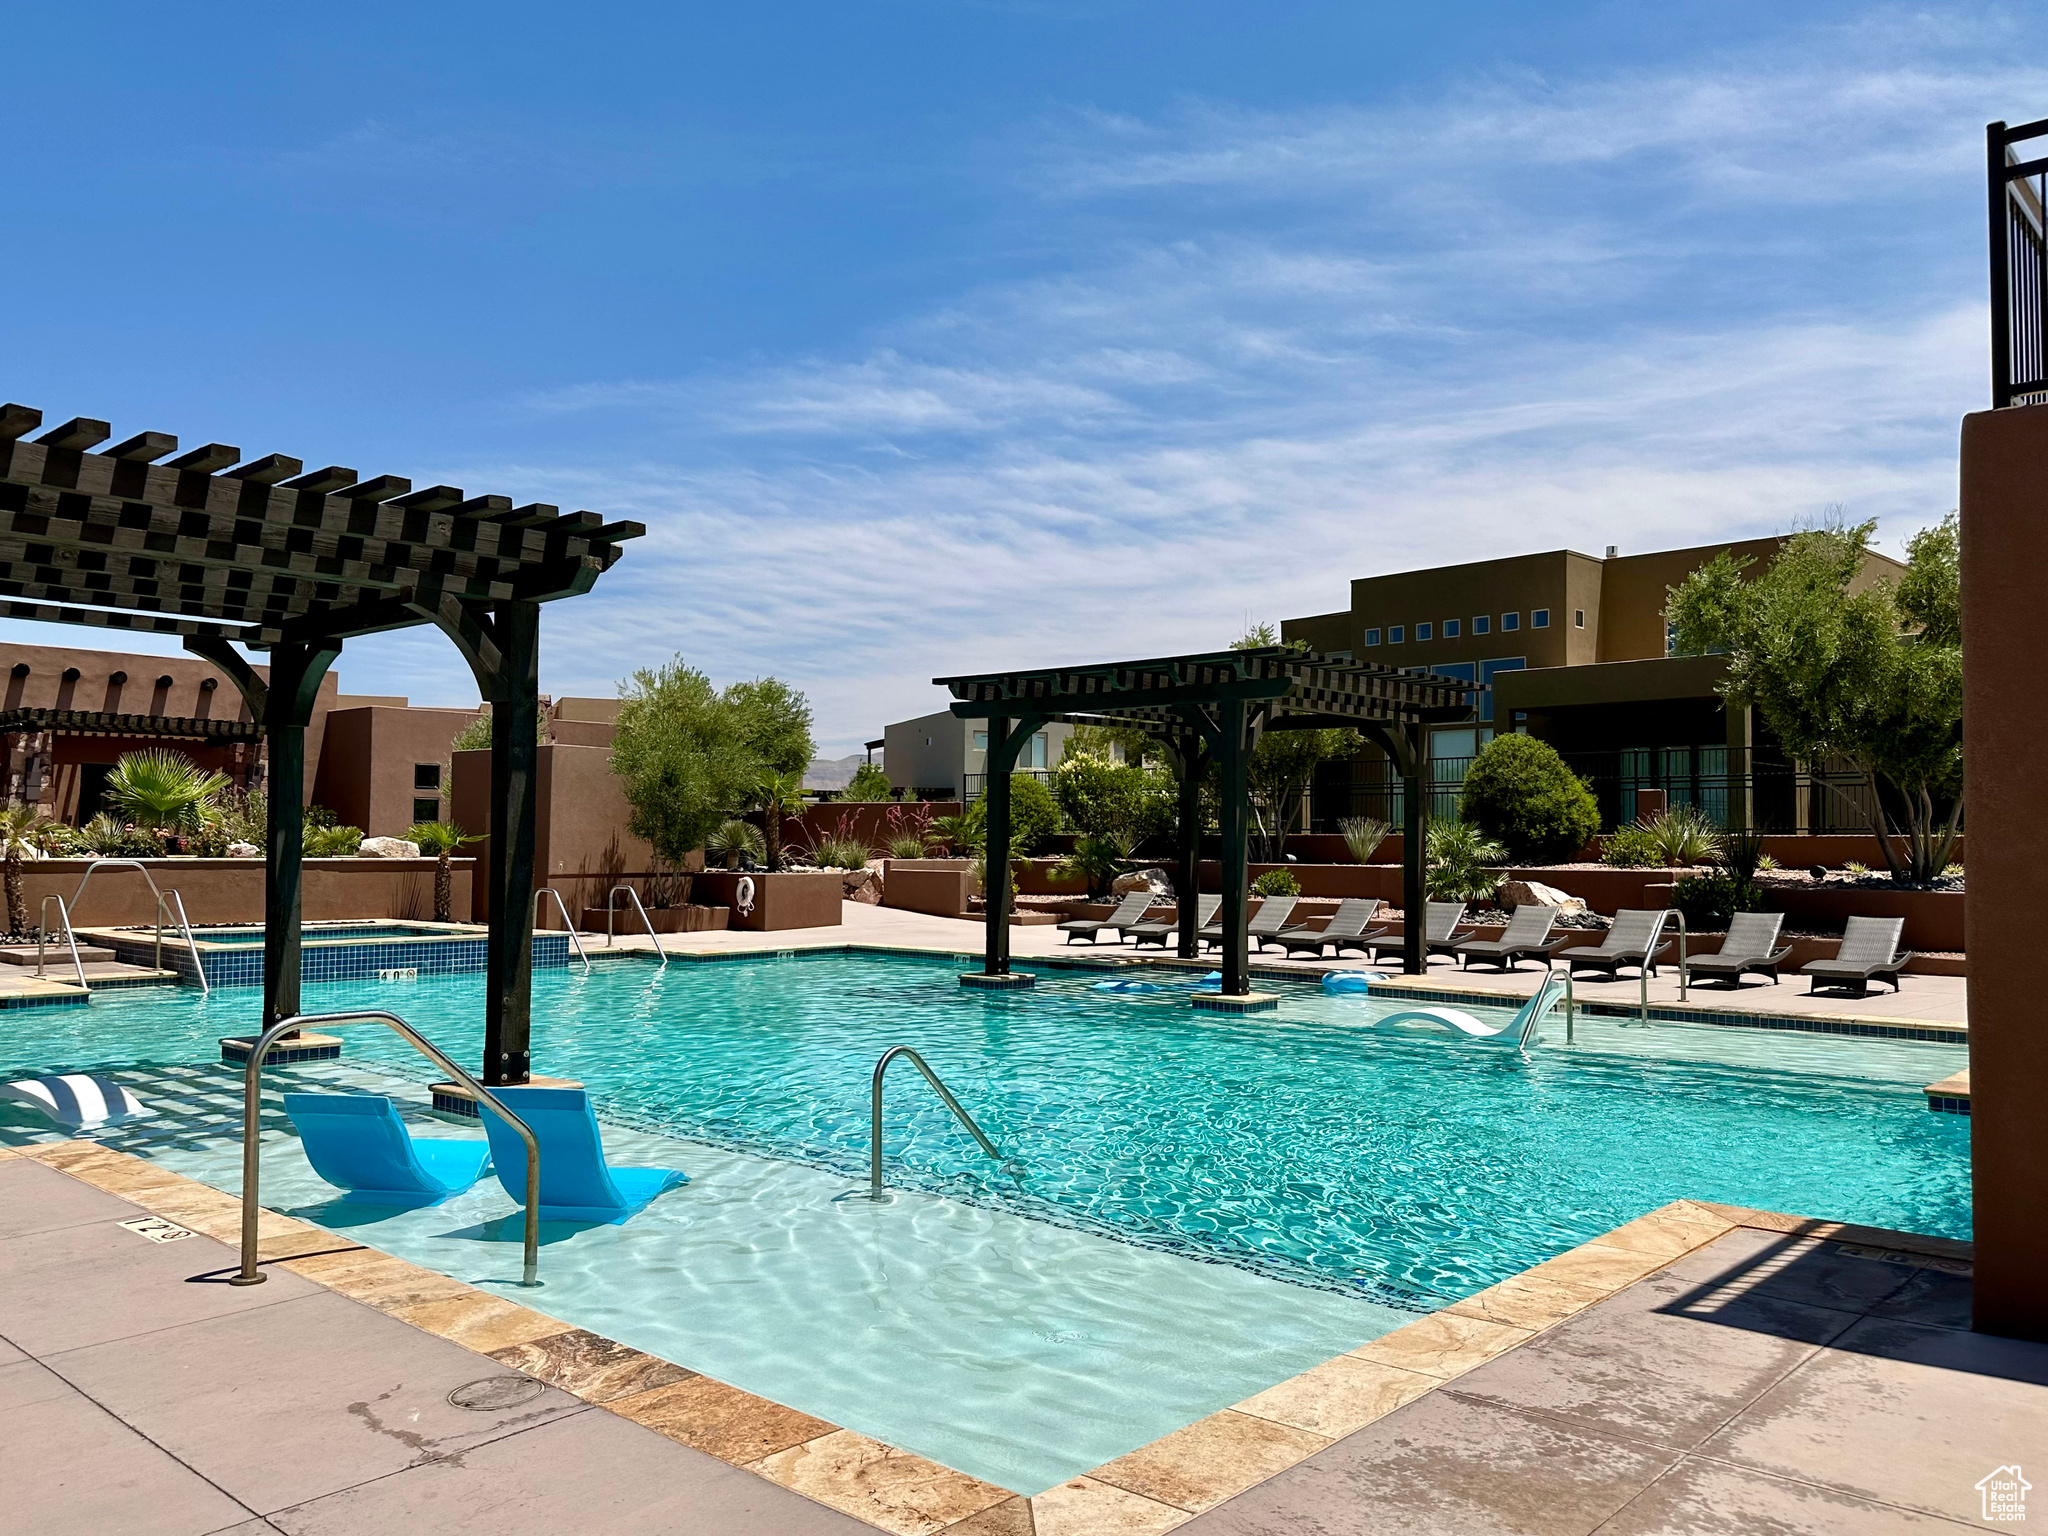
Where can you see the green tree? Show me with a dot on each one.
(1871, 677)
(440, 839)
(1519, 792)
(868, 784)
(775, 722)
(19, 825)
(162, 791)
(1112, 799)
(683, 756)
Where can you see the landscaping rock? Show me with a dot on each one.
(1534, 893)
(387, 848)
(244, 851)
(862, 885)
(1154, 880)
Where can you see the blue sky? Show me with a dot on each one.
(931, 336)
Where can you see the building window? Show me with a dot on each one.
(1578, 618)
(1395, 635)
(1487, 672)
(1450, 629)
(1482, 623)
(426, 775)
(1510, 621)
(1422, 631)
(1539, 618)
(1372, 637)
(426, 810)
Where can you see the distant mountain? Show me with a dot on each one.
(832, 772)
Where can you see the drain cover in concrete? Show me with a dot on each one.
(495, 1393)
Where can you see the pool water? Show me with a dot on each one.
(1192, 1206)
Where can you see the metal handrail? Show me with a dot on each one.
(1571, 1007)
(252, 1129)
(1643, 971)
(99, 864)
(563, 908)
(875, 1113)
(43, 932)
(610, 907)
(191, 944)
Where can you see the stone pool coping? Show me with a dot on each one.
(1149, 1490)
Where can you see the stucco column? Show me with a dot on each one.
(2005, 745)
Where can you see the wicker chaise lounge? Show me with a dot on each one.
(1129, 912)
(1637, 938)
(1161, 933)
(1870, 952)
(1752, 945)
(1347, 926)
(1528, 933)
(1440, 921)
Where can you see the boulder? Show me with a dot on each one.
(1534, 893)
(387, 848)
(244, 851)
(1154, 880)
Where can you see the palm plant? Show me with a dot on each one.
(777, 795)
(333, 842)
(162, 791)
(733, 840)
(1459, 854)
(1098, 858)
(440, 838)
(18, 826)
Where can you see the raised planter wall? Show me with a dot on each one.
(791, 899)
(936, 887)
(625, 920)
(231, 890)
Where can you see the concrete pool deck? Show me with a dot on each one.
(1701, 1368)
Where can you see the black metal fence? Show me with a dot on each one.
(972, 784)
(1731, 786)
(2018, 190)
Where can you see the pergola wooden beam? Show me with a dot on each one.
(213, 549)
(1211, 708)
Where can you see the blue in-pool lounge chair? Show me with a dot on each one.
(576, 1184)
(357, 1141)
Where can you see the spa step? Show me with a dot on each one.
(25, 954)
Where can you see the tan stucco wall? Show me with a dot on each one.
(366, 763)
(581, 844)
(231, 890)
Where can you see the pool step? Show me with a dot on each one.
(1950, 1096)
(25, 954)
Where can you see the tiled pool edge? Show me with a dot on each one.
(1148, 1490)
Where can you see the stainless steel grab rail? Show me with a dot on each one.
(43, 932)
(875, 1114)
(191, 944)
(563, 908)
(252, 1128)
(99, 864)
(610, 907)
(1643, 971)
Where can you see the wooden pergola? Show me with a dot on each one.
(1210, 709)
(139, 538)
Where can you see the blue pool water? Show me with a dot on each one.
(1205, 1205)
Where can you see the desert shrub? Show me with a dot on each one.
(1276, 882)
(835, 850)
(905, 845)
(333, 842)
(1120, 799)
(869, 783)
(737, 841)
(1034, 815)
(1709, 900)
(1520, 794)
(1631, 847)
(1363, 835)
(58, 841)
(1459, 856)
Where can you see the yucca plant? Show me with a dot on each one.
(1363, 835)
(440, 838)
(733, 840)
(162, 791)
(19, 825)
(1683, 835)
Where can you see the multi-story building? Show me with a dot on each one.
(1575, 650)
(942, 757)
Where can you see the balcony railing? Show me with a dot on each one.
(1731, 786)
(2019, 265)
(972, 784)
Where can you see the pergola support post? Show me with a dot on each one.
(515, 763)
(1414, 853)
(1193, 763)
(1233, 761)
(1006, 739)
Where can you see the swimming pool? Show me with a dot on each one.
(1328, 1180)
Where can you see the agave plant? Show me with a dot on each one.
(1363, 835)
(19, 825)
(440, 838)
(1683, 835)
(733, 840)
(162, 791)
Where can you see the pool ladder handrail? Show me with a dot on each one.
(162, 896)
(563, 908)
(252, 1128)
(610, 906)
(1643, 971)
(875, 1113)
(43, 933)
